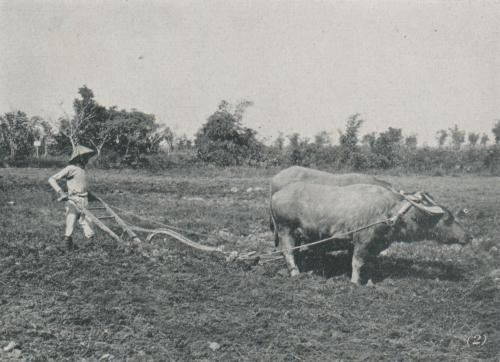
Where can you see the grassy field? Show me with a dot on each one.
(106, 301)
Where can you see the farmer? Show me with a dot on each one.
(77, 196)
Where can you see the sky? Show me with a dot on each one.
(307, 65)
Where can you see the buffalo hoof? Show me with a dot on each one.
(294, 273)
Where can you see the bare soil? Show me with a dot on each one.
(107, 301)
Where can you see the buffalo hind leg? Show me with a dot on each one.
(287, 242)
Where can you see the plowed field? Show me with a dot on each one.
(106, 301)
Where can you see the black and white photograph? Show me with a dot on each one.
(249, 180)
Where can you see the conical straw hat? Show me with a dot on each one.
(80, 151)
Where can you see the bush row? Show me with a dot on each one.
(485, 160)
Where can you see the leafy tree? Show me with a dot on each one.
(85, 110)
(294, 154)
(91, 123)
(62, 144)
(484, 139)
(279, 143)
(127, 134)
(100, 130)
(300, 151)
(457, 137)
(169, 137)
(473, 138)
(224, 141)
(349, 138)
(183, 143)
(275, 153)
(368, 140)
(411, 142)
(240, 109)
(16, 134)
(97, 128)
(496, 131)
(322, 139)
(388, 146)
(441, 137)
(134, 134)
(42, 131)
(492, 159)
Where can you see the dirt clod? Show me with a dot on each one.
(10, 346)
(214, 346)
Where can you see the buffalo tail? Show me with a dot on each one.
(272, 219)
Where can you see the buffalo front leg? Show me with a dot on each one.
(287, 242)
(358, 260)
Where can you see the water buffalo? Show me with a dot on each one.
(304, 174)
(310, 175)
(319, 211)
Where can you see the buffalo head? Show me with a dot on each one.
(428, 220)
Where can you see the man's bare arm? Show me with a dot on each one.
(53, 183)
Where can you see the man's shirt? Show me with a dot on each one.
(75, 178)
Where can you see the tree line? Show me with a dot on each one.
(131, 138)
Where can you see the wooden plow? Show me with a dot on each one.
(107, 213)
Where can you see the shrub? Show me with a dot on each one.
(42, 162)
(223, 141)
